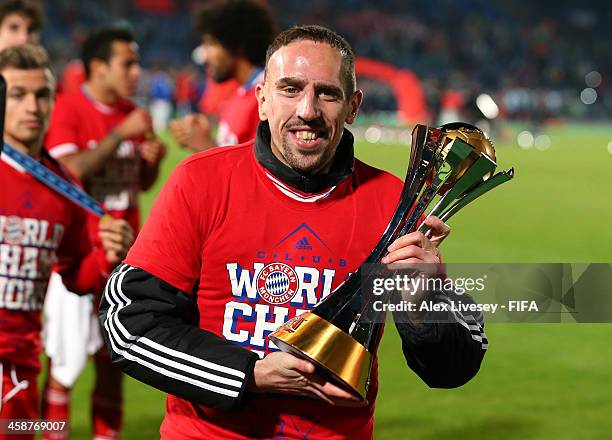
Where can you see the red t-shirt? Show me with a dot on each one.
(38, 228)
(239, 116)
(216, 95)
(224, 220)
(78, 123)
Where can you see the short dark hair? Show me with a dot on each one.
(320, 34)
(239, 25)
(24, 57)
(98, 44)
(31, 9)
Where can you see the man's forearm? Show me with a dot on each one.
(444, 348)
(151, 331)
(87, 163)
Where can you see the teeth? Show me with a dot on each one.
(306, 135)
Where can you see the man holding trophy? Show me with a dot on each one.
(244, 239)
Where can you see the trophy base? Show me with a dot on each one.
(312, 337)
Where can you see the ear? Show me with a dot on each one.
(97, 65)
(262, 102)
(355, 103)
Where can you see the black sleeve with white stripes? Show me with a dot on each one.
(446, 350)
(151, 331)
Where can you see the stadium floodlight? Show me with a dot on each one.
(487, 106)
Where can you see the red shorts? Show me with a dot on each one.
(20, 390)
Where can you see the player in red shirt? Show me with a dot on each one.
(39, 228)
(99, 135)
(235, 35)
(241, 239)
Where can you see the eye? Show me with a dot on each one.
(16, 95)
(290, 90)
(43, 94)
(329, 96)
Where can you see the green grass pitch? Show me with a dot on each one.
(538, 381)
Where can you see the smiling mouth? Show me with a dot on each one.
(306, 135)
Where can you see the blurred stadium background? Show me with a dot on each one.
(536, 76)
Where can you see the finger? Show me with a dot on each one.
(330, 389)
(155, 150)
(112, 258)
(148, 156)
(437, 226)
(125, 227)
(155, 147)
(112, 237)
(308, 388)
(300, 384)
(336, 394)
(150, 145)
(201, 119)
(124, 240)
(350, 403)
(181, 138)
(177, 127)
(409, 263)
(301, 365)
(144, 151)
(111, 246)
(115, 225)
(314, 392)
(414, 238)
(145, 115)
(406, 252)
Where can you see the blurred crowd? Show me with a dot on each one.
(534, 58)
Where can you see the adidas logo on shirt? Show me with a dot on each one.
(303, 244)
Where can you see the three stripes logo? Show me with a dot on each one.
(277, 283)
(303, 244)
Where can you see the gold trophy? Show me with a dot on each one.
(455, 163)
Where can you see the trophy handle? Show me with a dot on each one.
(483, 165)
(481, 189)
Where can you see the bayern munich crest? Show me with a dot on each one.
(14, 230)
(277, 283)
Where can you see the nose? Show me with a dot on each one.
(136, 71)
(21, 37)
(31, 103)
(308, 106)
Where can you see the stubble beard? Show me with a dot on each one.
(305, 162)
